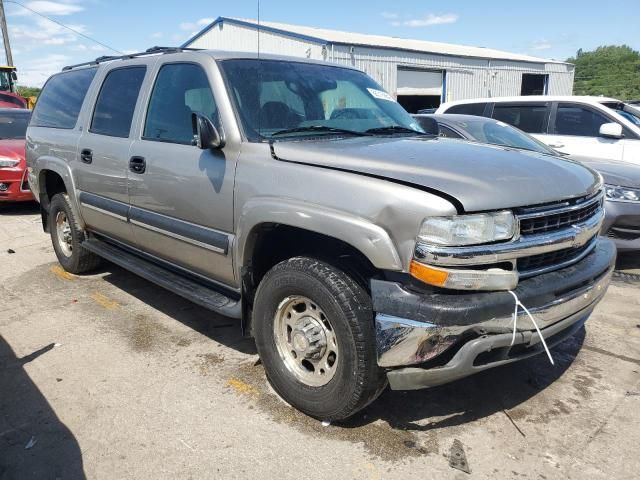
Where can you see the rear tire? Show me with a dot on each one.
(67, 236)
(314, 331)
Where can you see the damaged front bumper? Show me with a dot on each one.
(428, 338)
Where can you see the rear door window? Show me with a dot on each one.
(61, 99)
(579, 121)
(476, 109)
(528, 118)
(117, 101)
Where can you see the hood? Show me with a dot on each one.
(622, 174)
(15, 149)
(480, 177)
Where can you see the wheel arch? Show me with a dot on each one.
(270, 231)
(371, 240)
(55, 177)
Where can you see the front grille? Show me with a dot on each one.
(552, 259)
(556, 221)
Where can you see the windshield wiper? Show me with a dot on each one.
(316, 129)
(394, 129)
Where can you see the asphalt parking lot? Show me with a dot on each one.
(109, 376)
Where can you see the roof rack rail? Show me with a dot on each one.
(149, 51)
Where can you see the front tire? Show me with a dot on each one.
(67, 236)
(314, 331)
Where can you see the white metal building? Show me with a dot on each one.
(419, 73)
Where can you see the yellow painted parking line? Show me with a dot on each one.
(104, 301)
(241, 387)
(62, 274)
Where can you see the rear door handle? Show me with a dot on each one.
(86, 155)
(137, 165)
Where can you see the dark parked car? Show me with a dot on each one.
(622, 179)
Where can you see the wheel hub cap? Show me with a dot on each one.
(309, 339)
(63, 231)
(306, 341)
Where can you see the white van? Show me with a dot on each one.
(597, 127)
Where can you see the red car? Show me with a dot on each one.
(12, 100)
(13, 166)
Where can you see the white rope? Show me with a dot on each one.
(515, 323)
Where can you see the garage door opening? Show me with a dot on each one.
(534, 84)
(419, 89)
(415, 103)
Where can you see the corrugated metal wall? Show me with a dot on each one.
(464, 78)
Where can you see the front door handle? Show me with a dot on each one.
(137, 165)
(86, 155)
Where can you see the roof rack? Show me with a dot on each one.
(148, 51)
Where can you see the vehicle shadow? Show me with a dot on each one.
(472, 398)
(34, 443)
(19, 208)
(223, 330)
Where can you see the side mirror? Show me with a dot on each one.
(14, 76)
(611, 130)
(429, 125)
(205, 135)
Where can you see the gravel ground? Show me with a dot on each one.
(109, 376)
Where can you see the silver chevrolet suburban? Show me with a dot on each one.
(300, 199)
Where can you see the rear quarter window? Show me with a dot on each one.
(61, 99)
(448, 133)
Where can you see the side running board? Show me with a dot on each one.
(178, 284)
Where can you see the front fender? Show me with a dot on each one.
(371, 240)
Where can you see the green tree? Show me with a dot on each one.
(612, 71)
(28, 91)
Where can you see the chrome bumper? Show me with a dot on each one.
(402, 342)
(486, 352)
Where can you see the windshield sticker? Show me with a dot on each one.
(380, 94)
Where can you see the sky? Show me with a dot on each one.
(549, 29)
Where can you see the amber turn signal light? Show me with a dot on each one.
(427, 274)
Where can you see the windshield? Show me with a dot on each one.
(499, 133)
(630, 112)
(280, 99)
(13, 125)
(5, 81)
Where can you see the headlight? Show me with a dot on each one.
(622, 194)
(468, 229)
(8, 162)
